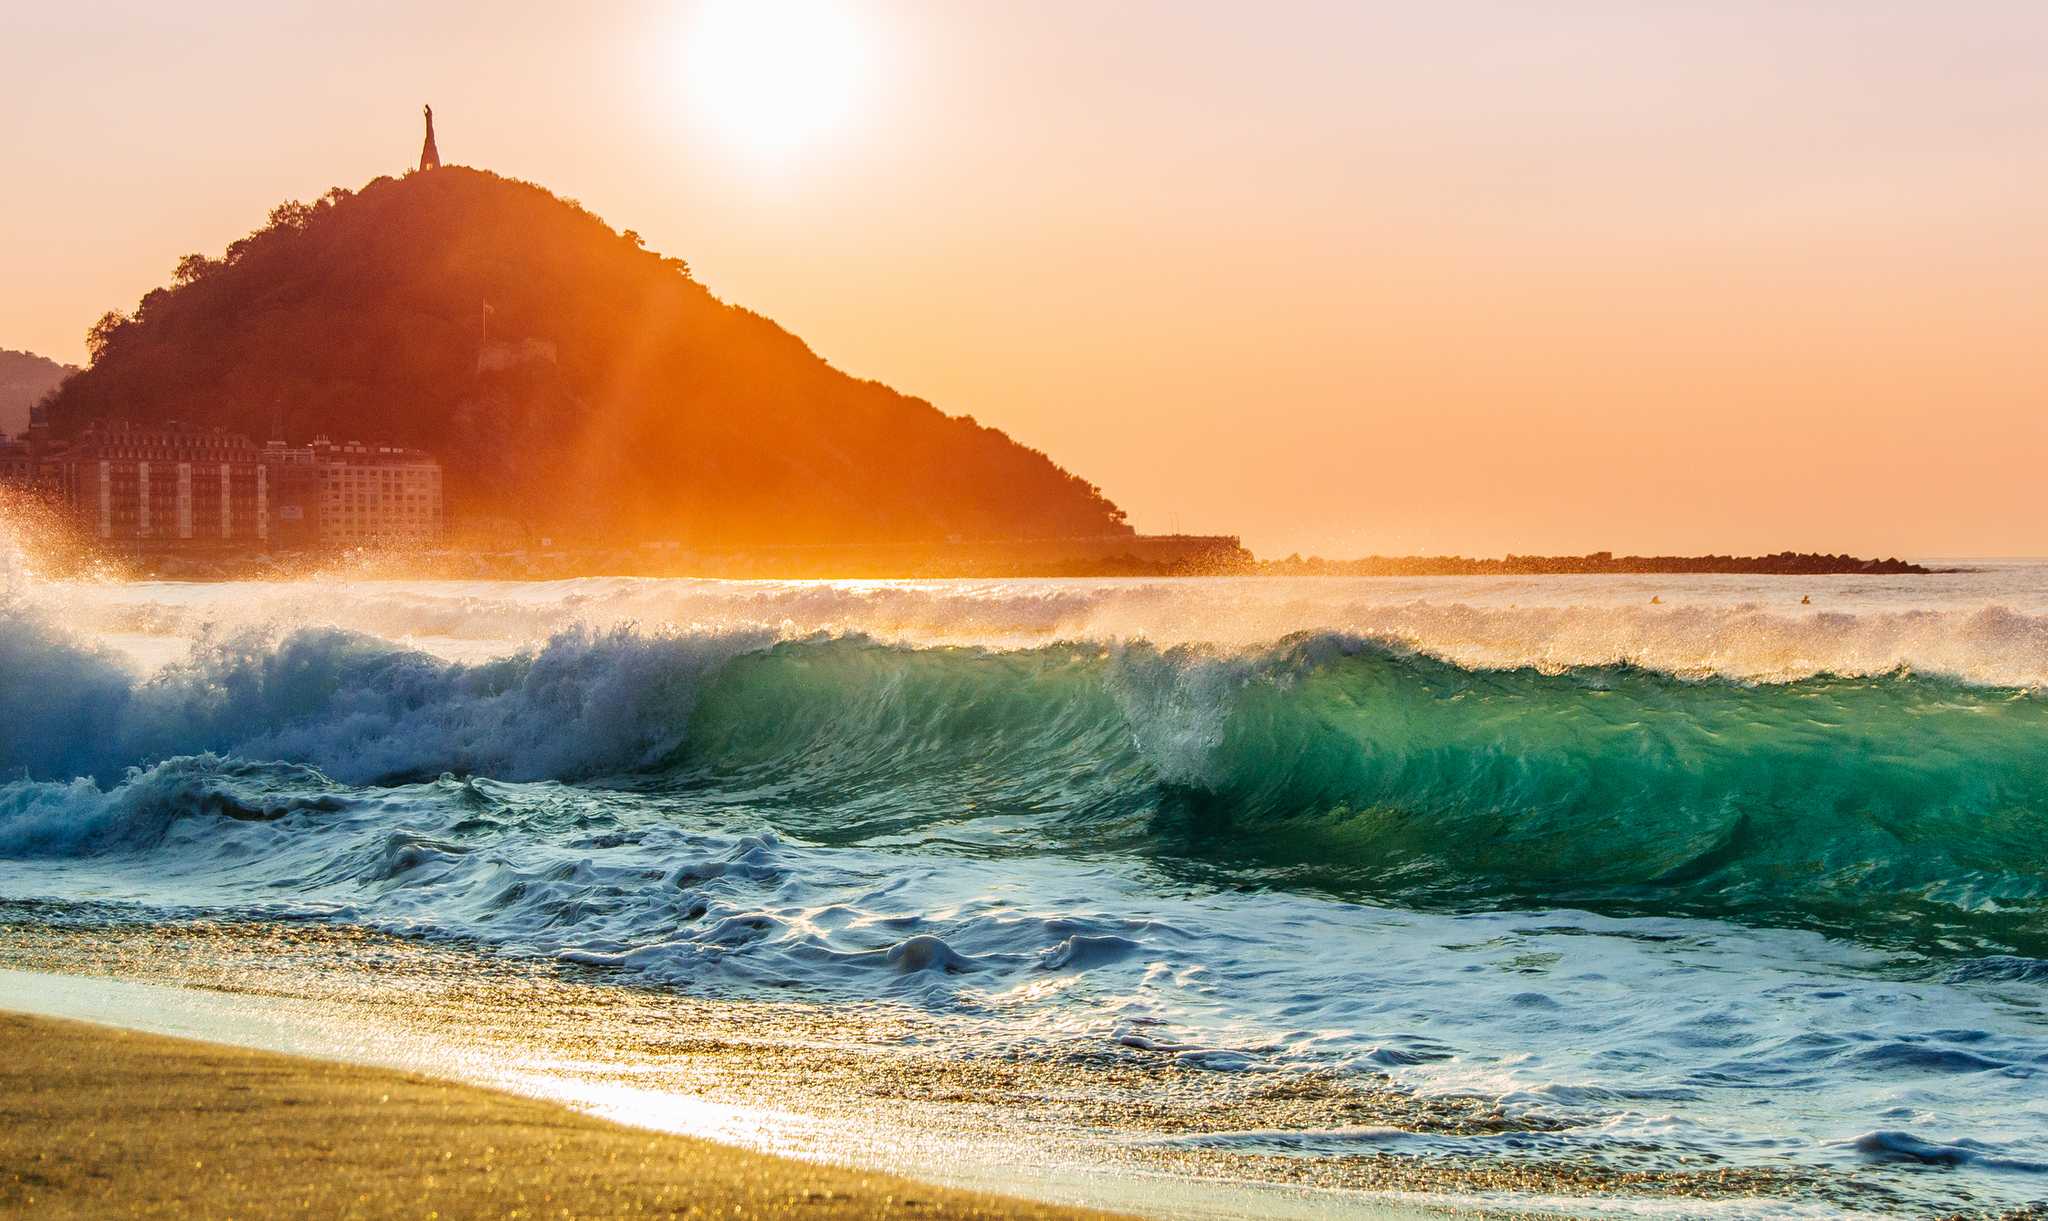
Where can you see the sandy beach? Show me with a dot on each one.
(97, 1121)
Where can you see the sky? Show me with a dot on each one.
(1340, 278)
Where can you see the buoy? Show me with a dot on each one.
(1805, 601)
(1655, 600)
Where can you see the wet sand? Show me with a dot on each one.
(97, 1122)
(1089, 1126)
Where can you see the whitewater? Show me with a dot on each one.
(1728, 880)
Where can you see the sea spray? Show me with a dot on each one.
(1987, 626)
(584, 703)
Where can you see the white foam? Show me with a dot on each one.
(1988, 626)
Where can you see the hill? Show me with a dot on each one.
(614, 398)
(24, 378)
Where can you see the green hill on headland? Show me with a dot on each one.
(568, 379)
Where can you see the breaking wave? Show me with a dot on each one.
(1895, 807)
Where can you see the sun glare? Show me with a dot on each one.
(777, 77)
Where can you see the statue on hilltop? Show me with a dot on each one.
(430, 157)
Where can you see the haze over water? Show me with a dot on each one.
(1723, 882)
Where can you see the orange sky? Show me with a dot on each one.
(1343, 277)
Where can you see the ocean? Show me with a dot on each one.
(1522, 893)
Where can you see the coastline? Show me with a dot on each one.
(104, 1120)
(62, 555)
(630, 1059)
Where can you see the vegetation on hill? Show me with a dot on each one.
(24, 378)
(616, 398)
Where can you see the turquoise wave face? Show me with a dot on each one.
(1897, 809)
(1894, 808)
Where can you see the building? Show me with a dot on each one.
(166, 485)
(294, 495)
(154, 487)
(26, 461)
(17, 463)
(369, 495)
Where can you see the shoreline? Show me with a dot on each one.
(779, 1136)
(103, 1119)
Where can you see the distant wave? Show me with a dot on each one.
(1986, 644)
(1894, 806)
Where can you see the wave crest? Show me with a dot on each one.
(585, 703)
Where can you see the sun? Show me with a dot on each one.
(777, 77)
